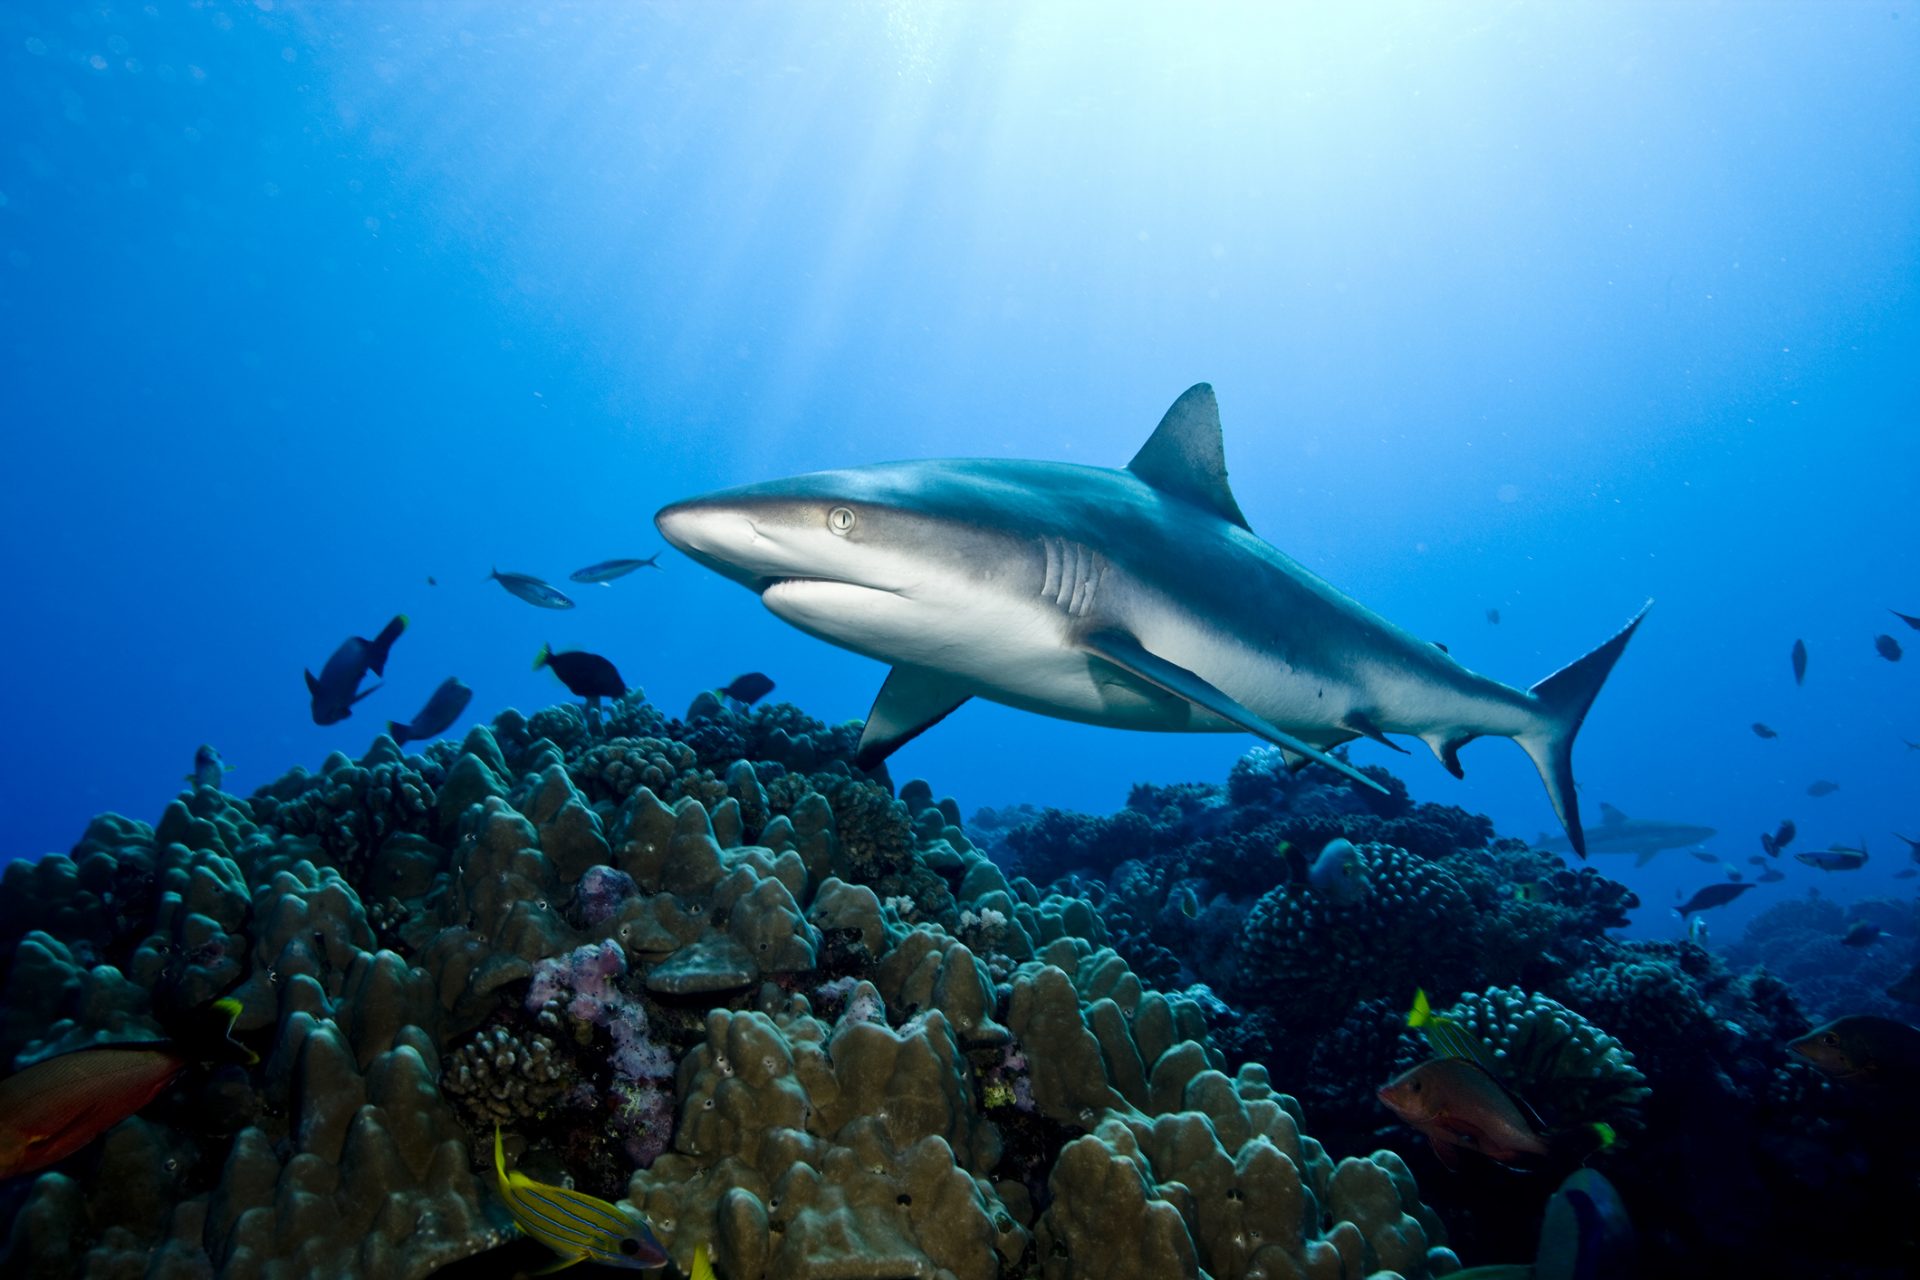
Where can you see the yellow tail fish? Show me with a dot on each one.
(577, 1226)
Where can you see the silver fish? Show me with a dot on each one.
(532, 590)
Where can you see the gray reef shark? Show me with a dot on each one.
(1137, 599)
(1642, 837)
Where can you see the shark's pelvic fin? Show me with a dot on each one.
(910, 702)
(1364, 725)
(1127, 653)
(1186, 458)
(1563, 700)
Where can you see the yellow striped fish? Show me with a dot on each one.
(1448, 1038)
(578, 1227)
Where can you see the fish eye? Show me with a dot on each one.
(629, 1246)
(1829, 1038)
(1416, 1086)
(841, 520)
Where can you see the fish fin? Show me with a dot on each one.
(367, 692)
(561, 1265)
(1446, 749)
(381, 644)
(1127, 653)
(1446, 1153)
(1442, 648)
(1185, 458)
(1422, 1011)
(608, 585)
(1294, 761)
(1610, 816)
(1643, 857)
(1364, 725)
(702, 1268)
(398, 732)
(313, 685)
(911, 701)
(1563, 699)
(543, 657)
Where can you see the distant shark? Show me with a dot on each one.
(1642, 837)
(1138, 599)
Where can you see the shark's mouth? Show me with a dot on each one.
(809, 580)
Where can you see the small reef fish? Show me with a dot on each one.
(1783, 835)
(1525, 891)
(577, 1226)
(1907, 990)
(208, 768)
(1493, 617)
(1887, 647)
(1756, 860)
(1770, 875)
(1906, 873)
(1732, 872)
(337, 687)
(1907, 618)
(1339, 873)
(1835, 859)
(1703, 855)
(1456, 1105)
(432, 581)
(586, 675)
(1799, 661)
(1861, 933)
(749, 688)
(1763, 731)
(607, 570)
(1863, 1050)
(55, 1107)
(1714, 895)
(532, 590)
(1448, 1038)
(1822, 787)
(1187, 902)
(442, 709)
(1697, 931)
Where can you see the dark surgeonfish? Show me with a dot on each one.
(1863, 1050)
(749, 688)
(1763, 731)
(1799, 661)
(586, 675)
(337, 687)
(532, 590)
(575, 1225)
(442, 709)
(1861, 933)
(208, 768)
(1822, 787)
(1714, 895)
(1493, 617)
(607, 570)
(1887, 647)
(1771, 875)
(1837, 858)
(1776, 844)
(55, 1107)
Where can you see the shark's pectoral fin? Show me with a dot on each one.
(1127, 653)
(912, 701)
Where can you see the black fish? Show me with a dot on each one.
(749, 688)
(432, 581)
(1913, 846)
(1714, 895)
(1757, 860)
(1907, 618)
(532, 590)
(1907, 990)
(1822, 788)
(607, 570)
(1861, 933)
(1763, 731)
(1493, 616)
(1799, 661)
(442, 709)
(338, 686)
(586, 675)
(1887, 647)
(1770, 875)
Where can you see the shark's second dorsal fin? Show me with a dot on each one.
(1184, 455)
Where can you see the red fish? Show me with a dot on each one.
(1454, 1103)
(54, 1108)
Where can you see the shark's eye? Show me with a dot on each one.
(841, 520)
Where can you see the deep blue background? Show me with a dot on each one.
(1543, 308)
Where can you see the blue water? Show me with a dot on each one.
(1539, 308)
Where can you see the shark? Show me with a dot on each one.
(1644, 838)
(1135, 598)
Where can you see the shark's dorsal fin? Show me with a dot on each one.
(1610, 816)
(1184, 456)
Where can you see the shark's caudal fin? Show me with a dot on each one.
(1564, 698)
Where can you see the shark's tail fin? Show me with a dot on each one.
(1564, 698)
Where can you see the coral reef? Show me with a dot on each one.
(704, 964)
